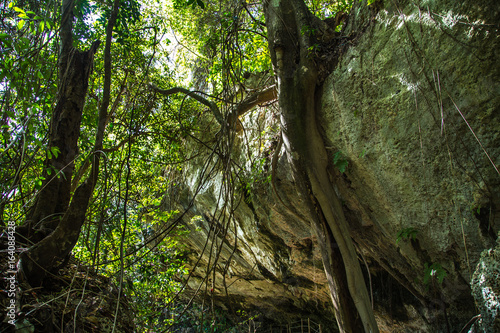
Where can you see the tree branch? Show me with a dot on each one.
(103, 111)
(262, 96)
(260, 23)
(193, 94)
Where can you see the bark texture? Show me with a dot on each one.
(53, 199)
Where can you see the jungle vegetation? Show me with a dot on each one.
(101, 102)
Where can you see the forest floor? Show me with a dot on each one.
(75, 299)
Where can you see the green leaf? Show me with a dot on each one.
(39, 182)
(434, 271)
(20, 24)
(407, 233)
(340, 161)
(10, 5)
(55, 151)
(19, 10)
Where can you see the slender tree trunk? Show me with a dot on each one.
(297, 74)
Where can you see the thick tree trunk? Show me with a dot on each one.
(54, 199)
(52, 212)
(50, 252)
(345, 310)
(74, 70)
(297, 85)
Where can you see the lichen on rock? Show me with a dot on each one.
(485, 285)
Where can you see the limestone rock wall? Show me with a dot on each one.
(267, 259)
(413, 107)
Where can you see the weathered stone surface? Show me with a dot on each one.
(417, 87)
(485, 286)
(394, 107)
(275, 265)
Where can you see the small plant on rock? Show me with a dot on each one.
(434, 271)
(407, 233)
(340, 161)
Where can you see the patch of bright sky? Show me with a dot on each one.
(174, 52)
(171, 52)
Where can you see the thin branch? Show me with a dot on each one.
(254, 32)
(260, 23)
(262, 96)
(103, 111)
(475, 136)
(106, 116)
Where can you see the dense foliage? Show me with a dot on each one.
(208, 46)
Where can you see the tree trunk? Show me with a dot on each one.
(297, 73)
(345, 311)
(74, 70)
(54, 199)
